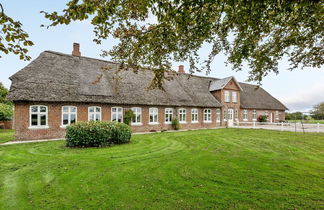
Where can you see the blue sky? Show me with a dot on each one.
(298, 90)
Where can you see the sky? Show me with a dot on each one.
(299, 90)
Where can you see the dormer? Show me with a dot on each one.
(227, 90)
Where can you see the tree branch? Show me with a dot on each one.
(2, 10)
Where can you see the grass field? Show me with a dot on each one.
(307, 121)
(6, 135)
(223, 168)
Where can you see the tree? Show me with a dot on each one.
(13, 39)
(3, 94)
(318, 111)
(295, 116)
(258, 33)
(6, 111)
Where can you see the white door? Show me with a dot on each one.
(271, 117)
(230, 117)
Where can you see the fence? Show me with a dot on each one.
(282, 126)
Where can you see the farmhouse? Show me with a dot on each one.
(57, 89)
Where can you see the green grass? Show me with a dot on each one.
(6, 135)
(207, 169)
(307, 121)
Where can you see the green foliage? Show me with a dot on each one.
(259, 33)
(318, 111)
(3, 94)
(295, 116)
(6, 111)
(175, 124)
(128, 116)
(97, 134)
(13, 38)
(262, 118)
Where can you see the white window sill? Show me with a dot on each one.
(136, 124)
(207, 121)
(153, 123)
(194, 122)
(245, 119)
(38, 127)
(254, 120)
(63, 126)
(167, 122)
(218, 121)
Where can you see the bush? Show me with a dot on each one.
(128, 116)
(262, 118)
(6, 111)
(175, 124)
(97, 134)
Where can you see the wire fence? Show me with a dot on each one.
(283, 126)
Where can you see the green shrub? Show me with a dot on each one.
(97, 134)
(175, 124)
(128, 116)
(6, 111)
(262, 118)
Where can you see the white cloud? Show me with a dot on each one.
(305, 99)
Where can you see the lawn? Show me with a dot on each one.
(207, 169)
(6, 135)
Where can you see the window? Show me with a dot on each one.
(245, 115)
(218, 117)
(207, 115)
(168, 115)
(137, 120)
(277, 115)
(230, 113)
(182, 115)
(153, 112)
(236, 114)
(227, 96)
(254, 115)
(117, 114)
(267, 114)
(94, 113)
(234, 97)
(69, 115)
(224, 115)
(38, 116)
(194, 115)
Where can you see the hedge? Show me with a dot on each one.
(97, 134)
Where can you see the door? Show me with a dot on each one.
(271, 117)
(230, 117)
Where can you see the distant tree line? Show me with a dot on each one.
(6, 108)
(316, 113)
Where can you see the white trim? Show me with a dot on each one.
(208, 115)
(165, 113)
(135, 110)
(233, 97)
(117, 113)
(69, 115)
(38, 113)
(218, 115)
(195, 113)
(153, 114)
(183, 113)
(227, 94)
(95, 112)
(153, 123)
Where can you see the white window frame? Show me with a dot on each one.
(69, 115)
(167, 113)
(225, 115)
(94, 113)
(38, 113)
(154, 112)
(194, 115)
(121, 112)
(245, 115)
(226, 96)
(208, 115)
(218, 115)
(137, 111)
(254, 115)
(277, 115)
(182, 115)
(234, 97)
(266, 113)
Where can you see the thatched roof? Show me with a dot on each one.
(57, 77)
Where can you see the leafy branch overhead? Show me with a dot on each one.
(259, 33)
(13, 39)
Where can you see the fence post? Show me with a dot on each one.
(318, 127)
(281, 126)
(253, 124)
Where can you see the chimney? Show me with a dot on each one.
(181, 69)
(76, 49)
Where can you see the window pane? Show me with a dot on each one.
(34, 119)
(91, 109)
(91, 117)
(73, 118)
(97, 117)
(65, 119)
(34, 108)
(43, 119)
(114, 117)
(65, 109)
(73, 109)
(42, 109)
(97, 109)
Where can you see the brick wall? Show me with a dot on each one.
(6, 124)
(54, 130)
(262, 112)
